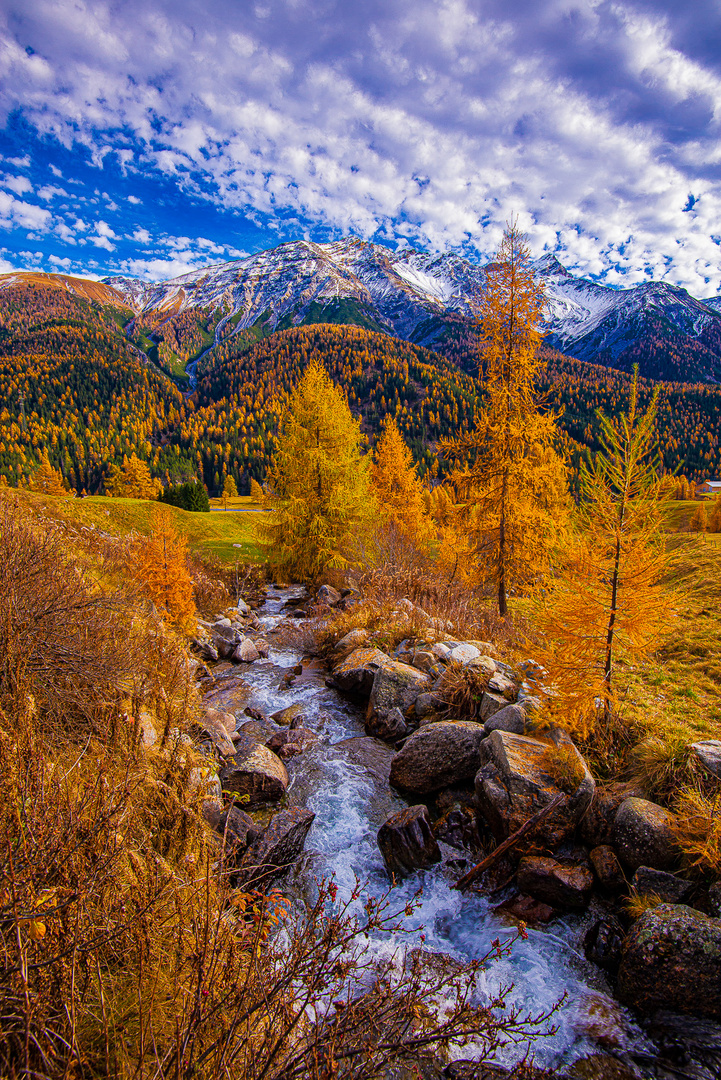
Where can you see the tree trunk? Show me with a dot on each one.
(608, 667)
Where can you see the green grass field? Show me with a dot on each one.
(228, 536)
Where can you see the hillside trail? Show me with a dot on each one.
(344, 781)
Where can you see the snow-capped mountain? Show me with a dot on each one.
(408, 294)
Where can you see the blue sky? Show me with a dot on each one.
(151, 137)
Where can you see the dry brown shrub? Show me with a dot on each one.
(697, 827)
(562, 764)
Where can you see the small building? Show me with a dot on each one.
(709, 489)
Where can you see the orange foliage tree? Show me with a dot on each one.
(397, 487)
(159, 566)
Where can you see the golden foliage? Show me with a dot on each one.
(508, 474)
(132, 480)
(48, 480)
(698, 828)
(398, 490)
(159, 565)
(318, 487)
(230, 490)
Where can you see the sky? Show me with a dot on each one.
(154, 137)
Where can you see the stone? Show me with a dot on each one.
(714, 897)
(708, 755)
(237, 828)
(424, 660)
(441, 651)
(277, 847)
(260, 730)
(387, 725)
(607, 868)
(463, 653)
(328, 595)
(352, 640)
(486, 665)
(526, 908)
(395, 685)
(510, 718)
(437, 756)
(243, 608)
(407, 842)
(288, 714)
(246, 652)
(602, 944)
(491, 704)
(458, 828)
(287, 744)
(513, 783)
(263, 647)
(370, 755)
(254, 775)
(669, 888)
(564, 885)
(206, 650)
(671, 960)
(428, 705)
(225, 638)
(355, 674)
(597, 823)
(643, 835)
(501, 684)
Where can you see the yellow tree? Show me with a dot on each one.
(507, 472)
(609, 600)
(47, 479)
(132, 480)
(699, 520)
(318, 486)
(230, 490)
(256, 491)
(397, 489)
(159, 565)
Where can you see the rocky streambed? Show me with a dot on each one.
(356, 771)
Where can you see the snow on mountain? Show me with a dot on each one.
(405, 292)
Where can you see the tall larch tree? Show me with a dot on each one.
(159, 565)
(132, 480)
(397, 488)
(230, 490)
(609, 600)
(509, 476)
(48, 480)
(318, 486)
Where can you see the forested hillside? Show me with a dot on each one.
(83, 378)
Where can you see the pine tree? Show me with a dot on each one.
(508, 473)
(132, 480)
(230, 491)
(397, 489)
(47, 479)
(699, 521)
(609, 600)
(318, 484)
(159, 565)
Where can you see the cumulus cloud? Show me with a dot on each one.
(420, 121)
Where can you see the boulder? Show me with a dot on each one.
(463, 653)
(371, 756)
(225, 638)
(441, 652)
(643, 835)
(603, 944)
(352, 640)
(564, 885)
(328, 595)
(501, 684)
(514, 782)
(263, 647)
(243, 608)
(246, 652)
(597, 823)
(669, 888)
(671, 960)
(428, 705)
(276, 848)
(491, 704)
(290, 713)
(437, 756)
(458, 828)
(424, 660)
(355, 674)
(510, 718)
(395, 686)
(387, 725)
(237, 828)
(254, 774)
(260, 730)
(286, 744)
(708, 755)
(607, 868)
(206, 650)
(525, 908)
(407, 842)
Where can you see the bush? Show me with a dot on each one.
(191, 496)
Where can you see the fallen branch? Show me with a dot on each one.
(512, 840)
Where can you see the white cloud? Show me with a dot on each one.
(15, 212)
(57, 261)
(19, 184)
(134, 200)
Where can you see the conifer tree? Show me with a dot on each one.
(714, 520)
(132, 480)
(508, 473)
(318, 484)
(256, 491)
(48, 480)
(609, 600)
(397, 489)
(159, 565)
(699, 520)
(230, 490)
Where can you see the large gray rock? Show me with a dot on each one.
(356, 673)
(643, 835)
(407, 842)
(672, 960)
(510, 718)
(328, 595)
(220, 726)
(354, 639)
(564, 885)
(225, 638)
(438, 756)
(516, 780)
(246, 652)
(237, 829)
(277, 848)
(389, 725)
(254, 775)
(669, 888)
(491, 704)
(597, 823)
(708, 755)
(396, 686)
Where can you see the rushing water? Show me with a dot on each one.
(351, 799)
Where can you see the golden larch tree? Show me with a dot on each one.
(132, 480)
(230, 490)
(508, 473)
(158, 564)
(608, 601)
(48, 480)
(398, 490)
(319, 493)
